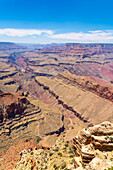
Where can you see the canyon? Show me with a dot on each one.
(51, 93)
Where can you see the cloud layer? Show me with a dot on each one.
(23, 32)
(90, 36)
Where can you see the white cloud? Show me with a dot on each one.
(23, 32)
(90, 36)
(32, 35)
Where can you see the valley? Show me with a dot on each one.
(52, 93)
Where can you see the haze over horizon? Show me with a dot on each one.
(56, 22)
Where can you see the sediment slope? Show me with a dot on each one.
(89, 105)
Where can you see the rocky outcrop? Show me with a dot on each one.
(15, 112)
(11, 105)
(88, 140)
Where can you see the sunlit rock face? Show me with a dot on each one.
(90, 139)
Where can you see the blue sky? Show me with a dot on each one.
(48, 21)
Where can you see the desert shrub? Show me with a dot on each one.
(31, 167)
(50, 154)
(56, 150)
(32, 153)
(63, 166)
(111, 138)
(54, 166)
(66, 145)
(38, 139)
(60, 154)
(110, 168)
(83, 166)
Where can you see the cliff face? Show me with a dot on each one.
(80, 50)
(88, 100)
(12, 105)
(89, 140)
(13, 108)
(89, 85)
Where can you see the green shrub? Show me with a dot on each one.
(31, 167)
(32, 153)
(63, 166)
(111, 138)
(66, 145)
(60, 154)
(54, 166)
(110, 168)
(50, 154)
(83, 166)
(38, 139)
(106, 138)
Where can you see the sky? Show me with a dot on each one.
(56, 21)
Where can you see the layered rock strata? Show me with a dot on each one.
(88, 140)
(87, 106)
(15, 111)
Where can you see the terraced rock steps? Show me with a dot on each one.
(16, 111)
(98, 137)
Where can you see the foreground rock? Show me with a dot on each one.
(91, 151)
(89, 141)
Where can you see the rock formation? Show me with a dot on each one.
(15, 111)
(90, 106)
(11, 105)
(90, 139)
(84, 155)
(89, 84)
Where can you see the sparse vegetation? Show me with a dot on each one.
(50, 154)
(38, 139)
(31, 167)
(66, 145)
(111, 138)
(60, 154)
(83, 166)
(63, 166)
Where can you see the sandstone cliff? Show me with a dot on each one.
(91, 142)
